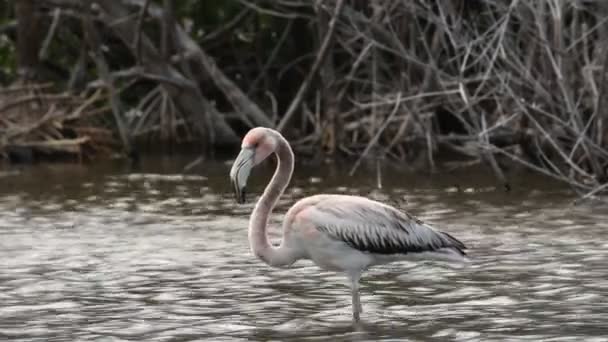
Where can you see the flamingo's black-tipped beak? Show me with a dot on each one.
(240, 173)
(239, 193)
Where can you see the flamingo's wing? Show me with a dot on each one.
(377, 228)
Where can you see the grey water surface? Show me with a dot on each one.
(100, 253)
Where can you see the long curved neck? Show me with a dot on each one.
(258, 238)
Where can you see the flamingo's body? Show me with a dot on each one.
(337, 232)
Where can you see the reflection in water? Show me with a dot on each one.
(143, 257)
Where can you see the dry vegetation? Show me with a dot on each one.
(493, 81)
(35, 120)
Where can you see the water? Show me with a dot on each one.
(97, 253)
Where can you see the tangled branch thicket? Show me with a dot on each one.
(523, 81)
(50, 123)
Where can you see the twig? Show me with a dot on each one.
(376, 136)
(378, 174)
(367, 105)
(88, 102)
(595, 191)
(140, 22)
(49, 37)
(36, 97)
(270, 12)
(234, 22)
(490, 156)
(28, 86)
(193, 164)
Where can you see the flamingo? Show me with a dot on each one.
(340, 233)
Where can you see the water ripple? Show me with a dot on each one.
(151, 257)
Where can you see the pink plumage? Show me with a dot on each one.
(337, 232)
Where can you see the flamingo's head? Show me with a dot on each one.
(257, 145)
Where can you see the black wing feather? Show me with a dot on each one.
(376, 228)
